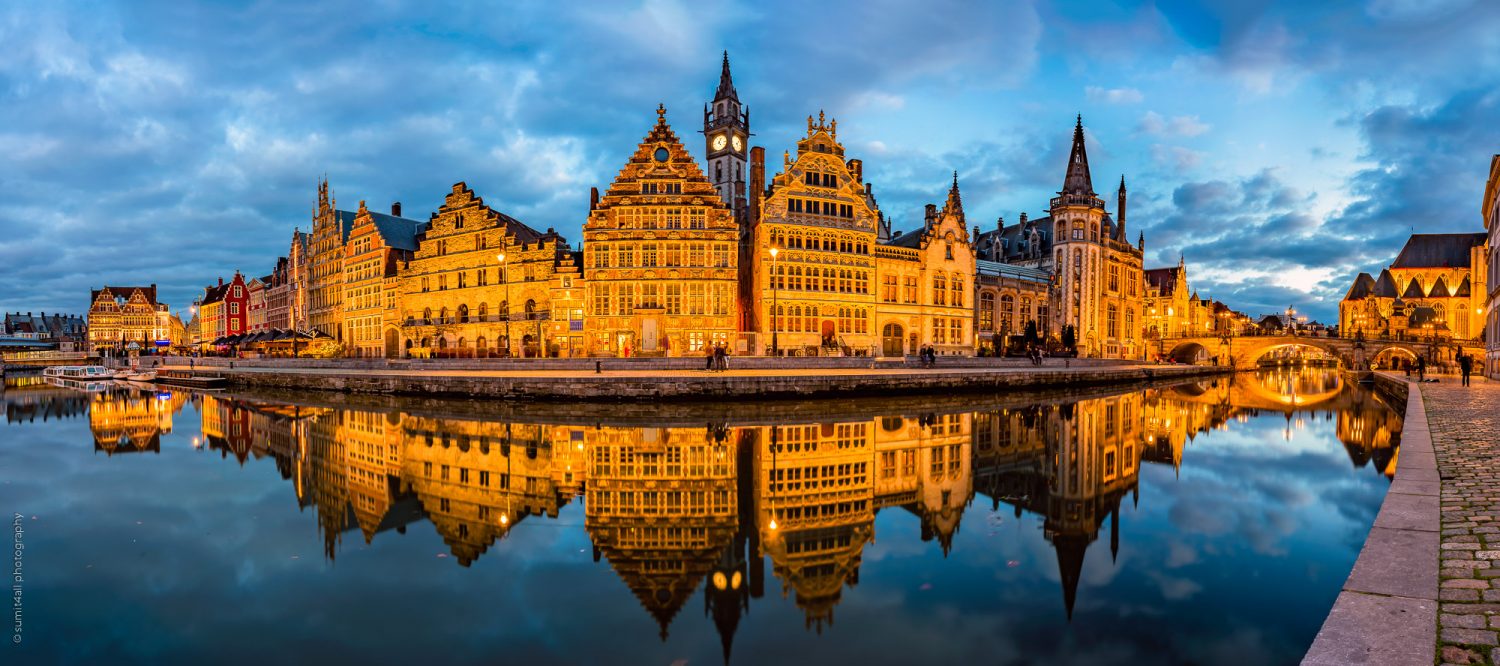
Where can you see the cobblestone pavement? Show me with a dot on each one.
(1465, 425)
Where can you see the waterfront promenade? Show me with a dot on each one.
(668, 378)
(1429, 573)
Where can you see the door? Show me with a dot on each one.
(649, 337)
(891, 339)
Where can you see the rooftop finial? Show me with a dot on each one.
(661, 114)
(726, 83)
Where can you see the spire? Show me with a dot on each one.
(955, 204)
(1078, 180)
(726, 84)
(1120, 211)
(1140, 244)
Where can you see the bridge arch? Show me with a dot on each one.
(1189, 351)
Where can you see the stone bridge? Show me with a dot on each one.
(1244, 351)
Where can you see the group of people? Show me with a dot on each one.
(1465, 368)
(927, 356)
(716, 358)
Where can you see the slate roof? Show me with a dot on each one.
(1012, 243)
(1011, 271)
(1363, 286)
(1437, 250)
(1385, 286)
(1164, 279)
(1463, 290)
(911, 239)
(126, 293)
(1413, 290)
(215, 294)
(1439, 289)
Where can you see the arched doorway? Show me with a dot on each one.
(828, 329)
(892, 338)
(392, 343)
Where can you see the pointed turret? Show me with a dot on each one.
(1140, 243)
(1078, 180)
(1070, 554)
(1120, 212)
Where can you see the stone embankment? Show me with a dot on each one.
(645, 381)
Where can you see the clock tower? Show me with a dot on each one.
(726, 133)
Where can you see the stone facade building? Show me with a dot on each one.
(938, 258)
(660, 256)
(378, 246)
(1434, 290)
(1490, 209)
(1097, 284)
(123, 316)
(69, 332)
(478, 282)
(325, 265)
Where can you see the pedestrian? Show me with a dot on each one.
(708, 357)
(1466, 366)
(1421, 369)
(190, 363)
(723, 358)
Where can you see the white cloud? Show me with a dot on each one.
(1155, 124)
(1099, 95)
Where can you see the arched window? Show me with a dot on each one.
(530, 308)
(443, 314)
(463, 314)
(479, 342)
(484, 311)
(1007, 313)
(504, 311)
(987, 311)
(426, 317)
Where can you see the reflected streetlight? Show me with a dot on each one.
(775, 322)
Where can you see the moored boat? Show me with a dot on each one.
(80, 372)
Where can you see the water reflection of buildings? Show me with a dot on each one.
(132, 421)
(677, 509)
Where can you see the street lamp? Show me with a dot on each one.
(775, 291)
(505, 280)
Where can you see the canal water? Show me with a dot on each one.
(1207, 522)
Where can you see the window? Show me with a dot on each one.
(909, 287)
(1007, 313)
(1114, 278)
(987, 311)
(1111, 323)
(939, 289)
(1077, 229)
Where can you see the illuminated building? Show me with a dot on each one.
(1434, 290)
(131, 422)
(1172, 308)
(938, 258)
(278, 296)
(121, 316)
(378, 246)
(325, 264)
(659, 256)
(726, 137)
(1011, 300)
(479, 283)
(1096, 272)
(1490, 210)
(224, 309)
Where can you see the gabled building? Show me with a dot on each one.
(478, 283)
(68, 332)
(378, 246)
(1436, 288)
(224, 310)
(939, 258)
(659, 256)
(122, 318)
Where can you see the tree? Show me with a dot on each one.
(1031, 335)
(1069, 338)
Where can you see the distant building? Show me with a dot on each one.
(1491, 212)
(126, 318)
(224, 310)
(68, 332)
(1435, 289)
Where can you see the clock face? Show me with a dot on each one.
(719, 142)
(738, 145)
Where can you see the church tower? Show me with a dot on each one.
(1078, 214)
(726, 133)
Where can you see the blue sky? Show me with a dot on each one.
(1279, 147)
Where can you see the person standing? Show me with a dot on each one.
(1465, 366)
(1421, 369)
(709, 352)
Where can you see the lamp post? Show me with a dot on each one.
(505, 280)
(775, 291)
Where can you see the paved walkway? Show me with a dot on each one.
(1465, 426)
(1054, 366)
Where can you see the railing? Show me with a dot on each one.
(1077, 199)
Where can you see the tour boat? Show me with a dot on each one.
(81, 372)
(142, 376)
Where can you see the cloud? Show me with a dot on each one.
(1180, 126)
(1099, 95)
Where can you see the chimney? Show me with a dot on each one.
(593, 198)
(396, 209)
(857, 169)
(221, 281)
(870, 189)
(931, 212)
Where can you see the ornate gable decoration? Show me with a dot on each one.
(661, 156)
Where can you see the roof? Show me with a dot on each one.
(1437, 250)
(1363, 286)
(1385, 286)
(396, 232)
(126, 292)
(1439, 289)
(1016, 242)
(1463, 290)
(1164, 279)
(906, 239)
(215, 294)
(1011, 271)
(1413, 290)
